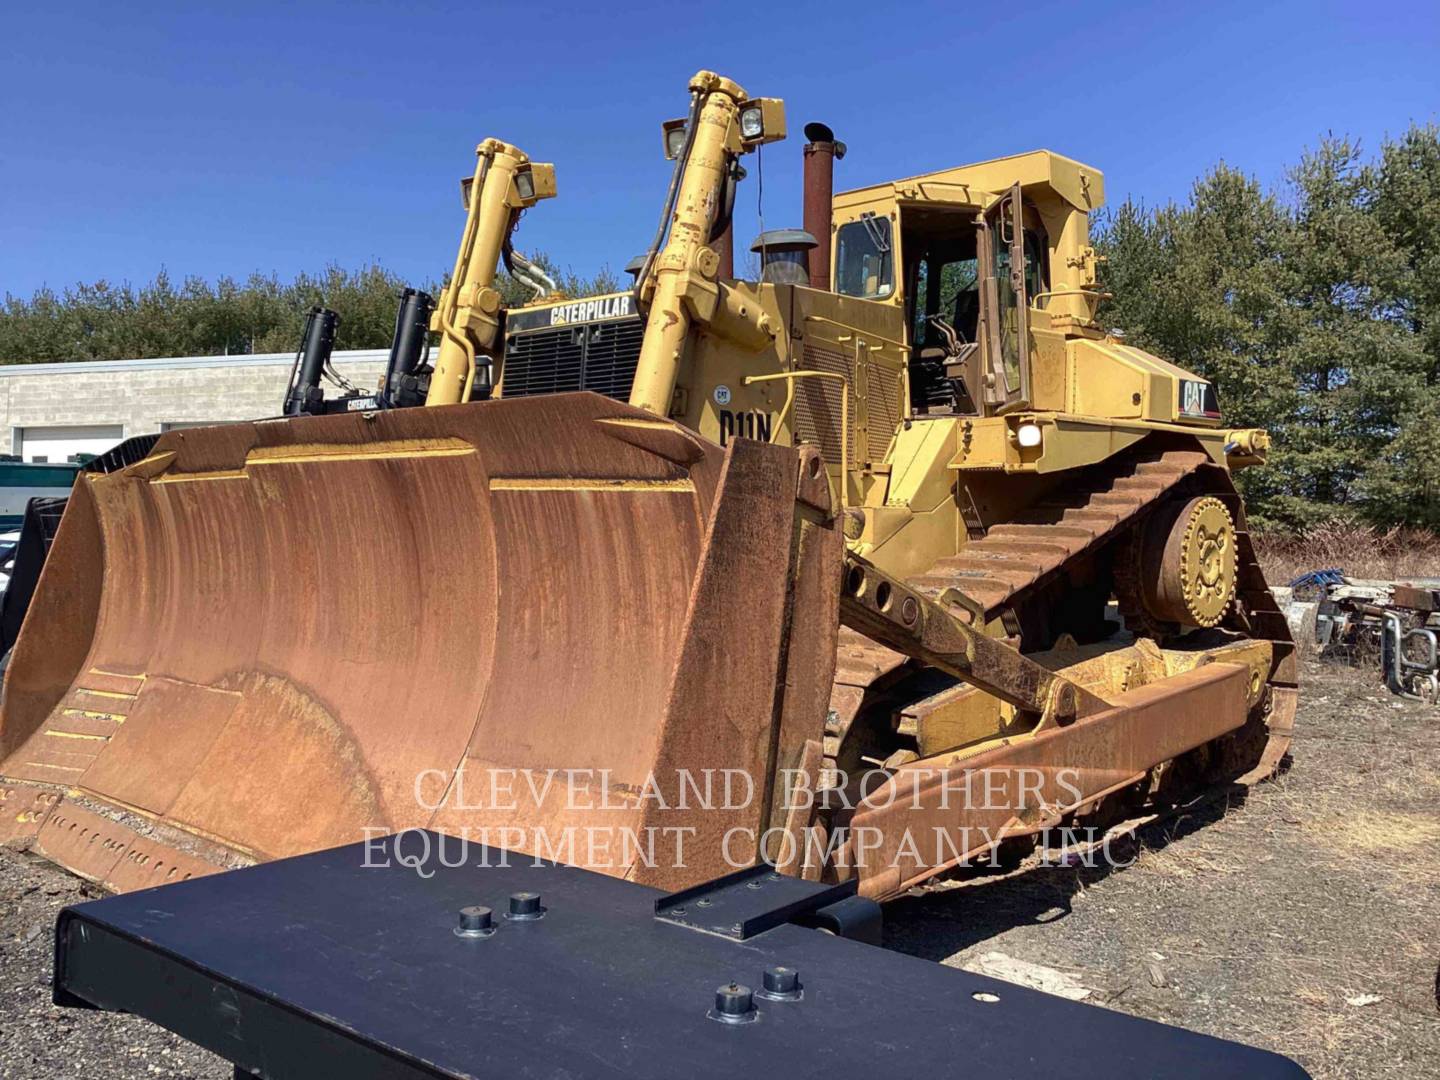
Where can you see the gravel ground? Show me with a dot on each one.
(38, 1039)
(1261, 918)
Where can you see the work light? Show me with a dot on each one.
(674, 131)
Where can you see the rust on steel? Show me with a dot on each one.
(821, 150)
(267, 638)
(935, 812)
(900, 618)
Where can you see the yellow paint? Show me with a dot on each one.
(468, 313)
(390, 449)
(147, 467)
(323, 453)
(76, 735)
(630, 421)
(116, 674)
(574, 483)
(106, 693)
(680, 289)
(200, 477)
(47, 765)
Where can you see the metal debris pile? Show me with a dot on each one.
(1355, 619)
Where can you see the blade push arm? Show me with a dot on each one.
(506, 182)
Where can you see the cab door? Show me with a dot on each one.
(1008, 330)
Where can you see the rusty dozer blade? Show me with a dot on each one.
(559, 625)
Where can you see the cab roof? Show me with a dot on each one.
(1082, 186)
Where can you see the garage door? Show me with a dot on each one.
(59, 443)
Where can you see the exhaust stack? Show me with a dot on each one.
(821, 152)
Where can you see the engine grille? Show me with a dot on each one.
(818, 401)
(818, 405)
(598, 356)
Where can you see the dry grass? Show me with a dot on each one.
(1180, 861)
(1361, 552)
(1366, 832)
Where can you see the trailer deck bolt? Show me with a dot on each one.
(734, 1004)
(475, 922)
(525, 907)
(781, 984)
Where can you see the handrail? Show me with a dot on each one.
(1092, 294)
(790, 377)
(855, 331)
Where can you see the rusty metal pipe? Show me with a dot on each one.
(820, 154)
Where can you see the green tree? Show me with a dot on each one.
(1202, 285)
(103, 321)
(1314, 312)
(1404, 196)
(1356, 365)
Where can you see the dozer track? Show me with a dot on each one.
(1011, 565)
(1015, 558)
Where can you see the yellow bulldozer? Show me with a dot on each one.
(887, 560)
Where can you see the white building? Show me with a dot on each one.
(51, 411)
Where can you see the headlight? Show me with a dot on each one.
(525, 185)
(752, 122)
(675, 142)
(1028, 435)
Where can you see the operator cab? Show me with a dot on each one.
(964, 310)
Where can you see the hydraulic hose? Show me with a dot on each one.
(697, 104)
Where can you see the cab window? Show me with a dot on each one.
(1037, 265)
(1037, 268)
(956, 298)
(864, 259)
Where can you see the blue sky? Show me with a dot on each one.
(217, 139)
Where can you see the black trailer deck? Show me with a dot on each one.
(323, 965)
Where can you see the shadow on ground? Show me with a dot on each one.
(980, 904)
